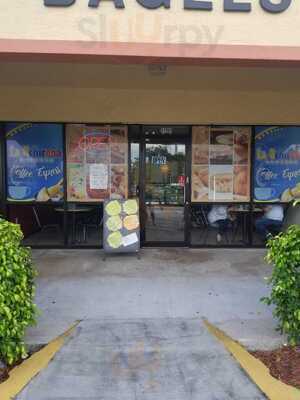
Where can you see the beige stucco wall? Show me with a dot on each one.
(144, 106)
(131, 94)
(30, 19)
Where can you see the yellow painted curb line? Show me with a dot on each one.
(257, 371)
(21, 375)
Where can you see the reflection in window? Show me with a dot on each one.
(164, 223)
(134, 168)
(165, 165)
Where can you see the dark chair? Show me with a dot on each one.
(44, 227)
(93, 220)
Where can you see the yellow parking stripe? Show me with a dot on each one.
(257, 371)
(21, 375)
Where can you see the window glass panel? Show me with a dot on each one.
(221, 164)
(270, 219)
(220, 224)
(165, 166)
(134, 168)
(277, 164)
(84, 224)
(165, 192)
(97, 162)
(41, 224)
(34, 162)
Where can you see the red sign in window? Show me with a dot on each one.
(181, 180)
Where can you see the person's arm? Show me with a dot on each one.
(267, 209)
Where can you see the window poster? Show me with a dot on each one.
(97, 159)
(221, 164)
(277, 163)
(34, 162)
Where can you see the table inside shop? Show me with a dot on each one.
(74, 210)
(242, 220)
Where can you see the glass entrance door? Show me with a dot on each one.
(166, 192)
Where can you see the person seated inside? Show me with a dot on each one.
(271, 220)
(218, 217)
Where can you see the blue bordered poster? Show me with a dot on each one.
(34, 162)
(277, 163)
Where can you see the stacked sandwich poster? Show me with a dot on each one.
(221, 164)
(97, 162)
(121, 226)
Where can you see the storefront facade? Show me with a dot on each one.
(184, 106)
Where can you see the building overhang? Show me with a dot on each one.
(23, 50)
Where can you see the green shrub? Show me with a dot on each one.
(17, 310)
(284, 254)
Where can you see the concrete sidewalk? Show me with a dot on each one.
(161, 359)
(141, 335)
(224, 286)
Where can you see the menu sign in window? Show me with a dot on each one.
(34, 162)
(96, 162)
(221, 164)
(277, 163)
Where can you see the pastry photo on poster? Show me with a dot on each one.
(221, 164)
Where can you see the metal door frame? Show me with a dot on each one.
(172, 139)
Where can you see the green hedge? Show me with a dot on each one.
(284, 254)
(17, 310)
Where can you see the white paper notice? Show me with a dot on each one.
(98, 176)
(130, 239)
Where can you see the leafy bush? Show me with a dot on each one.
(17, 310)
(284, 254)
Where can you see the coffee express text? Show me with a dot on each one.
(271, 6)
